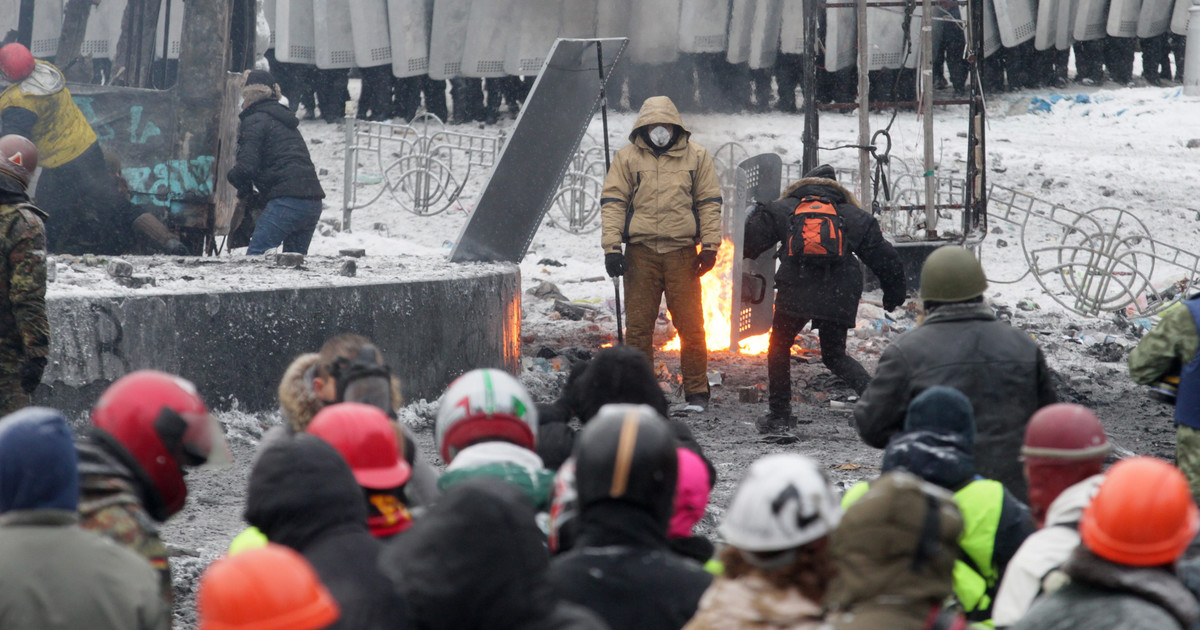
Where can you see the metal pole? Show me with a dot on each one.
(931, 215)
(864, 105)
(166, 43)
(1191, 64)
(812, 126)
(607, 165)
(348, 173)
(976, 202)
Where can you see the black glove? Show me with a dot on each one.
(31, 373)
(705, 261)
(614, 264)
(893, 302)
(175, 248)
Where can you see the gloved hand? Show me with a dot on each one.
(614, 264)
(31, 373)
(175, 248)
(893, 302)
(705, 261)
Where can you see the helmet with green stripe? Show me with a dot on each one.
(482, 406)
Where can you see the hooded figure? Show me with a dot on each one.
(895, 550)
(938, 445)
(477, 560)
(273, 160)
(303, 495)
(621, 566)
(826, 291)
(55, 574)
(661, 199)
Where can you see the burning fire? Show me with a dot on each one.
(717, 291)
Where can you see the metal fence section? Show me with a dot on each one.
(1098, 261)
(423, 166)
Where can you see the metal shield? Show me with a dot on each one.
(488, 31)
(295, 36)
(991, 32)
(103, 29)
(1016, 20)
(703, 26)
(1065, 35)
(538, 23)
(527, 174)
(741, 22)
(369, 27)
(764, 35)
(654, 32)
(448, 37)
(335, 40)
(841, 36)
(47, 26)
(1155, 18)
(408, 29)
(175, 36)
(1123, 17)
(1047, 24)
(791, 33)
(885, 32)
(1091, 20)
(1179, 17)
(758, 179)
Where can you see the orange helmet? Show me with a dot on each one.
(16, 62)
(272, 588)
(1142, 515)
(366, 439)
(163, 423)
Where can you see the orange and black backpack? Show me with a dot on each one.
(817, 232)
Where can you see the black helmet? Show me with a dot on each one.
(823, 171)
(627, 453)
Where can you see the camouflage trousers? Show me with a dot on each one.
(12, 397)
(1187, 456)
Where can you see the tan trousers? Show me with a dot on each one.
(649, 275)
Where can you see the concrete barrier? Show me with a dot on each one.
(236, 345)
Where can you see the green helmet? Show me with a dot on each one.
(952, 274)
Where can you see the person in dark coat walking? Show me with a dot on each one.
(825, 293)
(621, 566)
(273, 158)
(478, 560)
(303, 495)
(960, 344)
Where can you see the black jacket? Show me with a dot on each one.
(963, 346)
(303, 495)
(622, 569)
(476, 559)
(825, 292)
(272, 155)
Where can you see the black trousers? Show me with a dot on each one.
(88, 212)
(833, 354)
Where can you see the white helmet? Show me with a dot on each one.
(783, 502)
(485, 404)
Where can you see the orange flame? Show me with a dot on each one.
(717, 291)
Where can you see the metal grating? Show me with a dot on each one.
(489, 67)
(341, 56)
(418, 64)
(381, 53)
(302, 52)
(453, 69)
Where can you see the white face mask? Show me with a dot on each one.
(660, 135)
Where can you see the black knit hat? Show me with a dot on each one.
(823, 171)
(260, 77)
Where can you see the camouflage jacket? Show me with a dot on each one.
(24, 330)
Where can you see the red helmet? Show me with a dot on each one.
(366, 438)
(1064, 444)
(16, 62)
(18, 158)
(161, 420)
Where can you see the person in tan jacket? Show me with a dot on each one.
(661, 200)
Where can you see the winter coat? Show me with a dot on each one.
(751, 603)
(53, 574)
(999, 368)
(622, 569)
(894, 550)
(40, 108)
(119, 501)
(817, 291)
(477, 560)
(1171, 348)
(302, 494)
(1043, 553)
(664, 200)
(272, 155)
(1106, 596)
(507, 462)
(24, 327)
(298, 403)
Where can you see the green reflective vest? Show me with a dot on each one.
(975, 575)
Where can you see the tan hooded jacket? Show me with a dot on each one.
(664, 202)
(751, 603)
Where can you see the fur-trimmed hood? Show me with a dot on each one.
(795, 186)
(298, 401)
